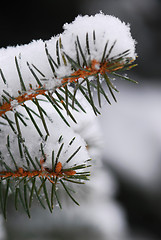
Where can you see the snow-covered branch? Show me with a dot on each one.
(44, 89)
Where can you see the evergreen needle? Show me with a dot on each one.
(20, 76)
(67, 191)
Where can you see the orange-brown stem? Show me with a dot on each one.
(95, 68)
(20, 100)
(44, 172)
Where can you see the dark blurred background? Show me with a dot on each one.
(22, 21)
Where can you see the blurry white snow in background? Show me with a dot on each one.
(132, 133)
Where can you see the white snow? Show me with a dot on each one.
(86, 132)
(32, 139)
(106, 27)
(133, 145)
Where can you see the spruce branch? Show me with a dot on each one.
(42, 93)
(88, 71)
(34, 181)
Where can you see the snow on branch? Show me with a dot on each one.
(89, 46)
(44, 88)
